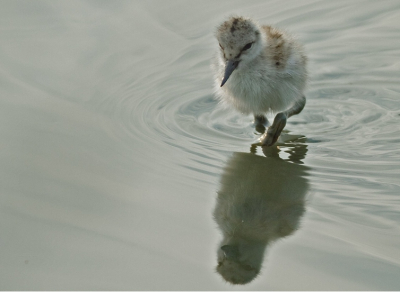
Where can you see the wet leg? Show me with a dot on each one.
(260, 121)
(275, 130)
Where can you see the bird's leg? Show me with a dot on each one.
(260, 121)
(275, 130)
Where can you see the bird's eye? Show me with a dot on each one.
(248, 46)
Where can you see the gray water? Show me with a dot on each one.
(112, 146)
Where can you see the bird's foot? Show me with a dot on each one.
(273, 132)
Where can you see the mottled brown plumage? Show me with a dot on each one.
(260, 69)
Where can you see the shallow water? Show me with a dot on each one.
(112, 146)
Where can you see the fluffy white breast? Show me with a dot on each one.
(256, 88)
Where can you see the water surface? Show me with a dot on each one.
(113, 147)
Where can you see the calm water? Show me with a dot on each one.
(112, 147)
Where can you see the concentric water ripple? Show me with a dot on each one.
(113, 145)
(348, 130)
(195, 122)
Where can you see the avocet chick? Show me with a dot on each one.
(260, 70)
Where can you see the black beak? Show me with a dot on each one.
(230, 66)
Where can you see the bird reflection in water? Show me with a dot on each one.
(260, 200)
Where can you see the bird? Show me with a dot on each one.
(260, 69)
